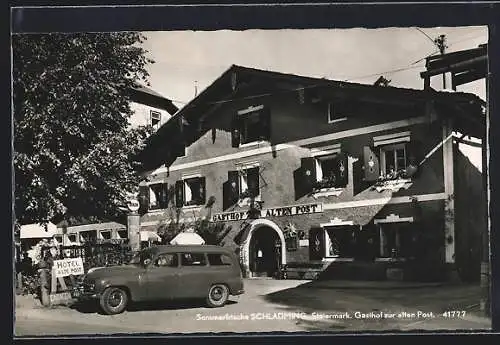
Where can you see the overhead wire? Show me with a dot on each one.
(392, 71)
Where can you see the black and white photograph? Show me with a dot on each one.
(291, 180)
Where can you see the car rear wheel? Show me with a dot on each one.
(114, 300)
(217, 295)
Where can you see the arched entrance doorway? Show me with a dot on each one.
(265, 252)
(263, 249)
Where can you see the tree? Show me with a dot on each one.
(212, 233)
(72, 144)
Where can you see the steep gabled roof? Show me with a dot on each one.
(221, 91)
(143, 94)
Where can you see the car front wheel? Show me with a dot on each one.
(114, 300)
(217, 295)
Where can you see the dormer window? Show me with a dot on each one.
(155, 119)
(334, 115)
(251, 125)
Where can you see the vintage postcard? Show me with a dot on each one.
(251, 181)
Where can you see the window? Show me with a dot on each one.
(194, 191)
(331, 171)
(190, 191)
(251, 125)
(167, 260)
(340, 241)
(333, 115)
(88, 236)
(249, 182)
(219, 260)
(155, 119)
(141, 257)
(122, 234)
(158, 196)
(396, 240)
(106, 235)
(193, 259)
(251, 130)
(393, 159)
(72, 238)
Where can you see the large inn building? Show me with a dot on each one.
(340, 173)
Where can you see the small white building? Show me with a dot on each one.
(149, 108)
(31, 234)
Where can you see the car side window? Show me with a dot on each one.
(219, 260)
(193, 259)
(167, 260)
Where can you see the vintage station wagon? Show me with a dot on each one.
(166, 272)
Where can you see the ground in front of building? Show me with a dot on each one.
(275, 305)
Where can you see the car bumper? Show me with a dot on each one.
(238, 292)
(85, 295)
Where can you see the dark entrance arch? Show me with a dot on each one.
(265, 252)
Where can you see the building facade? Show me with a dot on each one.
(149, 108)
(92, 233)
(335, 172)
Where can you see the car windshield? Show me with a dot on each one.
(139, 258)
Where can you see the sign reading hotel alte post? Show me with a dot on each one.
(68, 267)
(293, 210)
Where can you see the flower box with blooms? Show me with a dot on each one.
(407, 173)
(324, 184)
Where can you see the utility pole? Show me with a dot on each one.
(440, 42)
(485, 303)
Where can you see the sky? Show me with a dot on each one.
(189, 60)
(185, 59)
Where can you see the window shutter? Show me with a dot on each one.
(414, 156)
(266, 124)
(342, 170)
(143, 199)
(235, 131)
(179, 193)
(304, 177)
(316, 244)
(230, 192)
(253, 181)
(203, 191)
(309, 177)
(164, 196)
(414, 152)
(371, 164)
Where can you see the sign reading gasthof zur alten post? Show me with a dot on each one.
(293, 210)
(68, 267)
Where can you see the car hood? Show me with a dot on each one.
(102, 272)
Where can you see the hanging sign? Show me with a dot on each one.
(68, 267)
(133, 202)
(270, 212)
